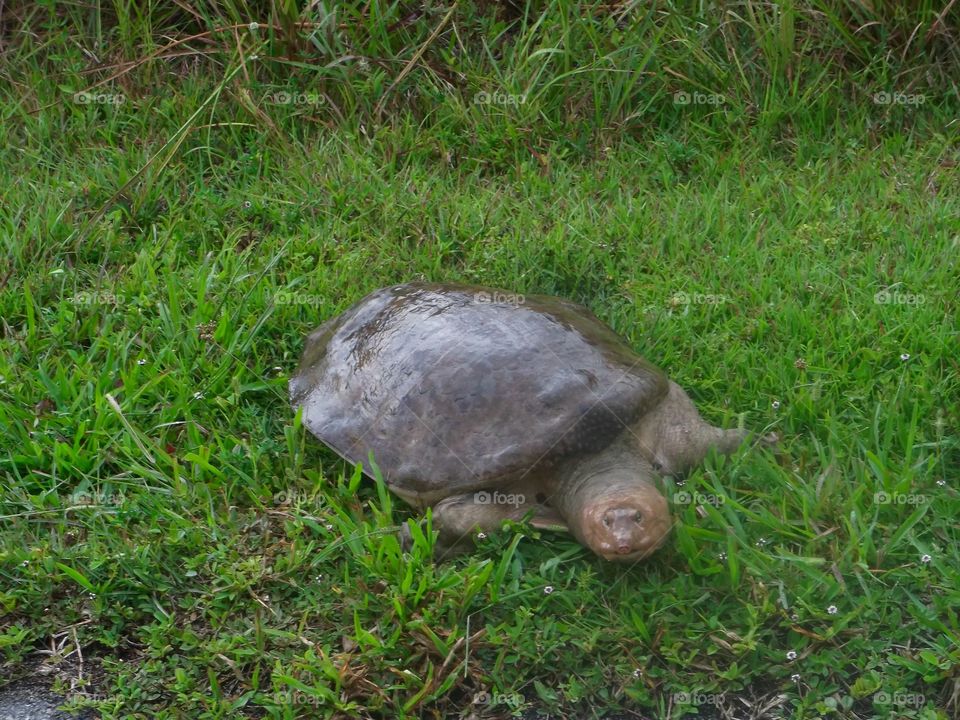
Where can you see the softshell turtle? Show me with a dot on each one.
(487, 405)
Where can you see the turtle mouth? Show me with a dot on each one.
(634, 553)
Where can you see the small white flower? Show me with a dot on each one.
(832, 610)
(25, 563)
(548, 589)
(775, 404)
(795, 617)
(481, 536)
(761, 542)
(254, 26)
(247, 204)
(328, 526)
(141, 361)
(722, 556)
(925, 558)
(198, 395)
(904, 356)
(941, 483)
(792, 655)
(318, 578)
(795, 677)
(638, 673)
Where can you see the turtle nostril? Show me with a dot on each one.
(623, 549)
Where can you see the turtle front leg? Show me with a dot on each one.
(459, 518)
(677, 439)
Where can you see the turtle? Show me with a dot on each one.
(486, 406)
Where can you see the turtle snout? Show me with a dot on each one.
(626, 539)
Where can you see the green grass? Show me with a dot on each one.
(162, 507)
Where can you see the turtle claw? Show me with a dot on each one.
(442, 550)
(405, 537)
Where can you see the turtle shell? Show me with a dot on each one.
(454, 388)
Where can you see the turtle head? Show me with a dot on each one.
(620, 515)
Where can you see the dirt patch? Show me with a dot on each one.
(26, 690)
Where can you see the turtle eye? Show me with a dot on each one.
(606, 520)
(638, 518)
